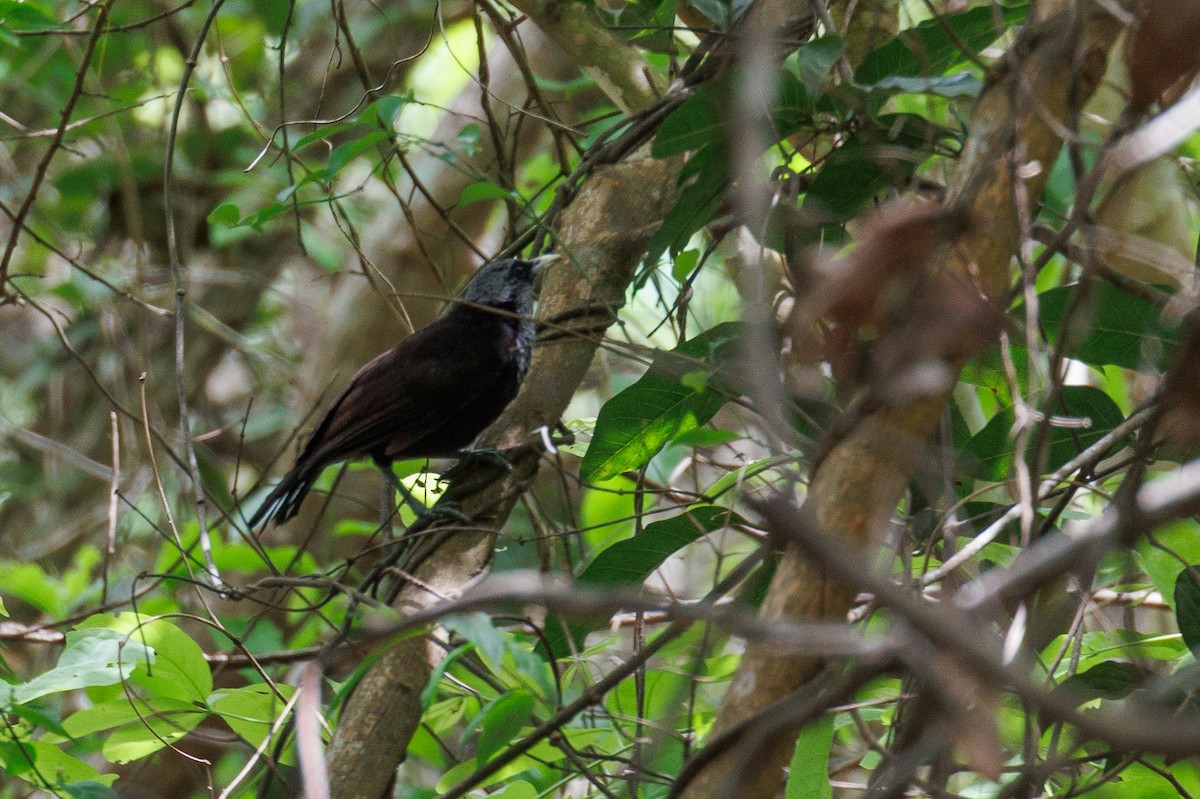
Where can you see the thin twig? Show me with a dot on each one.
(185, 418)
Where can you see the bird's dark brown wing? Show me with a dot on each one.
(433, 393)
(399, 398)
(401, 403)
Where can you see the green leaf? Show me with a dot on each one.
(700, 121)
(1187, 607)
(179, 670)
(468, 767)
(1176, 542)
(723, 12)
(649, 24)
(606, 511)
(479, 630)
(637, 423)
(991, 449)
(30, 583)
(1110, 679)
(704, 179)
(482, 190)
(21, 16)
(226, 214)
(815, 62)
(693, 124)
(322, 132)
(629, 562)
(468, 139)
(267, 213)
(87, 789)
(347, 152)
(40, 715)
(706, 437)
(385, 110)
(119, 712)
(934, 46)
(957, 85)
(500, 721)
(251, 710)
(150, 734)
(35, 761)
(685, 263)
(1117, 328)
(808, 777)
(518, 789)
(861, 168)
(91, 658)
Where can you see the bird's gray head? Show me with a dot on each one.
(507, 283)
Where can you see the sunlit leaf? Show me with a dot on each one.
(629, 562)
(808, 777)
(634, 425)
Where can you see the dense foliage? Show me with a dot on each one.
(332, 173)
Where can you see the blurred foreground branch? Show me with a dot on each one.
(1015, 137)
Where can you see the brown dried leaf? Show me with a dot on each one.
(945, 321)
(1162, 49)
(1181, 399)
(896, 244)
(880, 286)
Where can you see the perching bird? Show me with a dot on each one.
(433, 393)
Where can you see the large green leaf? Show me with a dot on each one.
(680, 392)
(91, 658)
(935, 46)
(648, 24)
(251, 710)
(629, 562)
(1111, 679)
(1115, 328)
(703, 182)
(702, 119)
(38, 761)
(179, 670)
(862, 167)
(693, 124)
(1187, 607)
(808, 777)
(500, 721)
(994, 453)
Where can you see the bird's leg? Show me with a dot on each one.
(442, 510)
(387, 508)
(393, 483)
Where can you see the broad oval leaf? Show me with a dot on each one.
(637, 423)
(936, 45)
(1094, 412)
(251, 710)
(629, 562)
(1122, 330)
(92, 658)
(500, 722)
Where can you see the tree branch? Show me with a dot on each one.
(858, 485)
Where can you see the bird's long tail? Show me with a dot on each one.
(284, 500)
